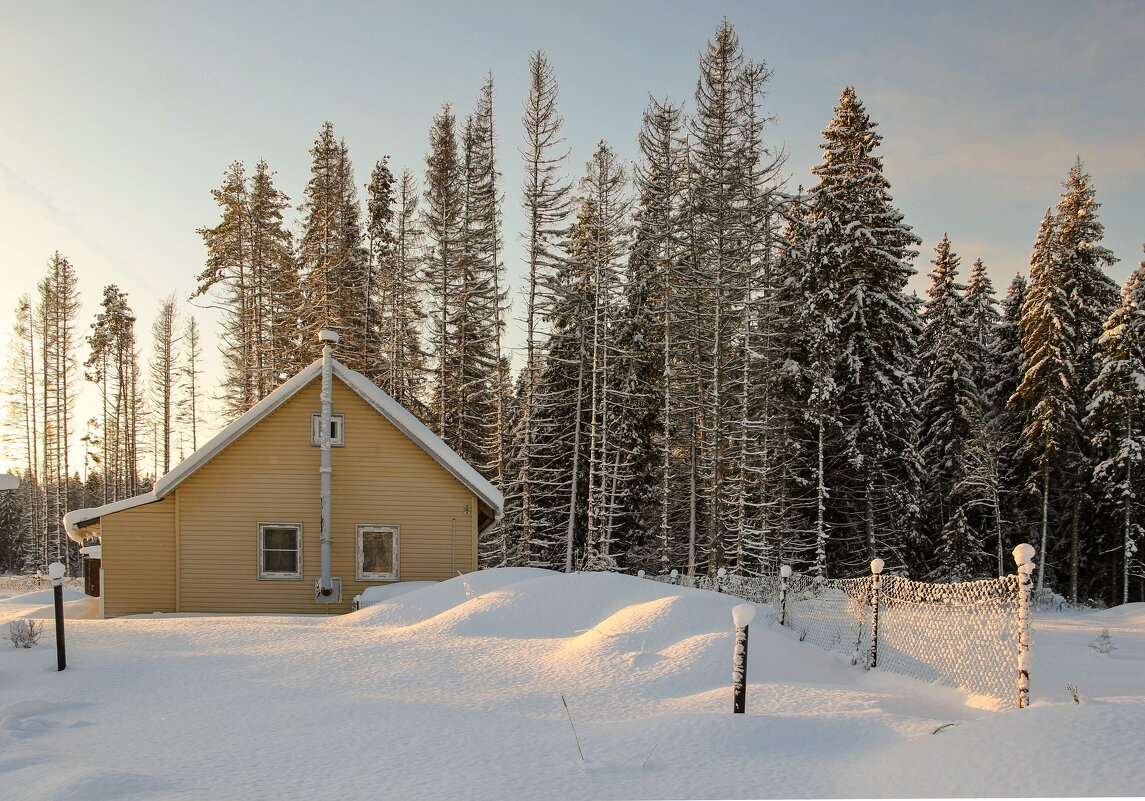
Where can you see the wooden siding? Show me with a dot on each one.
(270, 474)
(139, 560)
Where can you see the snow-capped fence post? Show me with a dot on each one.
(1024, 556)
(876, 571)
(784, 575)
(742, 615)
(56, 573)
(674, 576)
(721, 575)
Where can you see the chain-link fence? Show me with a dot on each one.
(11, 586)
(965, 634)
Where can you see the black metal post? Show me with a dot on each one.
(58, 592)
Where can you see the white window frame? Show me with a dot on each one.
(278, 575)
(395, 531)
(338, 421)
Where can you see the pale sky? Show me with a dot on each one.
(117, 119)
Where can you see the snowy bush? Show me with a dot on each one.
(1046, 600)
(1103, 644)
(25, 633)
(1074, 693)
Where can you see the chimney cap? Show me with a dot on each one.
(326, 335)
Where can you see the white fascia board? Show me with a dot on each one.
(75, 517)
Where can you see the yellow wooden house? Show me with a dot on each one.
(237, 527)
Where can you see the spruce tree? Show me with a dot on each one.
(875, 499)
(756, 526)
(113, 365)
(721, 262)
(251, 275)
(56, 313)
(164, 369)
(486, 386)
(443, 222)
(1093, 297)
(648, 331)
(189, 383)
(950, 412)
(484, 292)
(1068, 300)
(382, 291)
(408, 373)
(333, 263)
(1051, 432)
(1006, 366)
(546, 202)
(811, 270)
(276, 295)
(24, 436)
(982, 319)
(1117, 422)
(601, 242)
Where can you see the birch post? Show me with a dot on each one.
(742, 615)
(784, 575)
(1024, 556)
(876, 570)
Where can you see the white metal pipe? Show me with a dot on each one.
(325, 585)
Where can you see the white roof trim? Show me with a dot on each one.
(398, 415)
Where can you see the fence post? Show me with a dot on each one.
(1024, 556)
(876, 570)
(721, 576)
(674, 576)
(784, 575)
(742, 615)
(56, 571)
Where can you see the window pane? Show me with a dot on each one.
(280, 561)
(280, 538)
(377, 552)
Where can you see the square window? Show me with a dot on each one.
(337, 429)
(280, 550)
(378, 552)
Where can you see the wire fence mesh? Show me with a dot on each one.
(11, 586)
(964, 634)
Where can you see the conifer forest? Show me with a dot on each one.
(700, 366)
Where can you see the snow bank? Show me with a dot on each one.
(454, 690)
(41, 605)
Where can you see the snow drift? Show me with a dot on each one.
(454, 690)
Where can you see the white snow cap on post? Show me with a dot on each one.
(877, 566)
(1024, 556)
(785, 571)
(326, 335)
(743, 614)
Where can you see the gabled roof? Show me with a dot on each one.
(394, 412)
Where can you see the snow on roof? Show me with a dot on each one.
(394, 412)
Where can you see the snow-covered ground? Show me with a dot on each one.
(454, 690)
